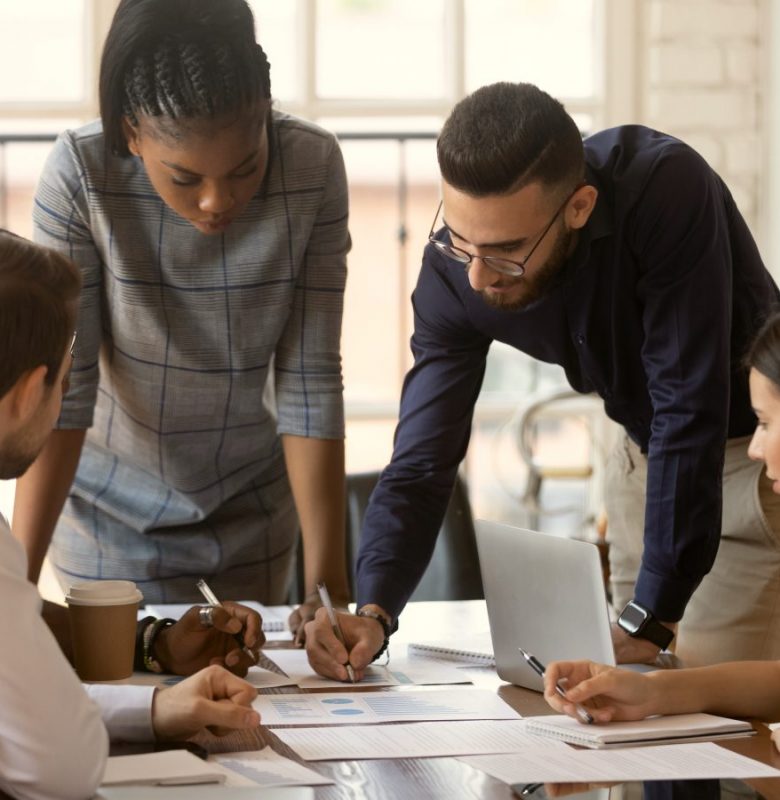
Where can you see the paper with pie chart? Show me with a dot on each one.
(355, 708)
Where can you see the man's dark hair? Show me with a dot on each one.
(764, 353)
(39, 290)
(180, 60)
(506, 136)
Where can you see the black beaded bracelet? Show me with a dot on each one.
(386, 628)
(151, 664)
(138, 654)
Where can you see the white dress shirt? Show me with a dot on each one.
(53, 740)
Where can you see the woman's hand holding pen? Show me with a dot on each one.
(188, 646)
(363, 638)
(609, 693)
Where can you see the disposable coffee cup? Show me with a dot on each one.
(103, 617)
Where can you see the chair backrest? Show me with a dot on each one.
(453, 573)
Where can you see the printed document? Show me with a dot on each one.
(398, 672)
(416, 740)
(351, 708)
(662, 762)
(266, 768)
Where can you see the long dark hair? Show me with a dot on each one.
(180, 60)
(39, 290)
(764, 353)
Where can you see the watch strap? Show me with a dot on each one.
(387, 628)
(138, 654)
(650, 628)
(656, 633)
(151, 664)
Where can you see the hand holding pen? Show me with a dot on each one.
(206, 617)
(539, 668)
(328, 606)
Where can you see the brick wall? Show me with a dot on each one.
(702, 77)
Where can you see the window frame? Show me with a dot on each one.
(96, 22)
(615, 99)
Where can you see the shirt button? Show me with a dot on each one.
(580, 339)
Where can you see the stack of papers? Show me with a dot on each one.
(662, 763)
(179, 767)
(668, 729)
(266, 768)
(416, 740)
(168, 768)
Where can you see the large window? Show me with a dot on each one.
(357, 67)
(398, 66)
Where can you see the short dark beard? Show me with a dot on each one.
(15, 464)
(538, 285)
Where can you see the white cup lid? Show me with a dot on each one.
(103, 593)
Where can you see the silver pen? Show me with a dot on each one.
(540, 669)
(212, 600)
(328, 606)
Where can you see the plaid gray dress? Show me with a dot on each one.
(183, 341)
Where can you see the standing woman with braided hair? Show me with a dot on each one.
(206, 405)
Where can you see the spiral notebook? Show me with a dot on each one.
(477, 650)
(655, 730)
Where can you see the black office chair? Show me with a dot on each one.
(453, 573)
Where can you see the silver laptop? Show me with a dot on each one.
(545, 594)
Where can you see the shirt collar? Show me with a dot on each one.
(598, 226)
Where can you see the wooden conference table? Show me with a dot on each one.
(445, 777)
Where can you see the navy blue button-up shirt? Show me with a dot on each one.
(654, 311)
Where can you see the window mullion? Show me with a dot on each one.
(307, 78)
(454, 51)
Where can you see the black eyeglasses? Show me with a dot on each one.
(506, 266)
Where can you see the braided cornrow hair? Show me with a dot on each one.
(180, 60)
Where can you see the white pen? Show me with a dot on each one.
(212, 600)
(328, 606)
(540, 669)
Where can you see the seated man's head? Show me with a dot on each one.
(514, 191)
(39, 292)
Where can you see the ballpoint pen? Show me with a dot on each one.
(328, 606)
(212, 600)
(525, 789)
(540, 669)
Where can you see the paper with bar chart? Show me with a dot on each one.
(351, 708)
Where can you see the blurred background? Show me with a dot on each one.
(383, 74)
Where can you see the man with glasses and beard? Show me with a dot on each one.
(624, 259)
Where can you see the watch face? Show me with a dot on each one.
(632, 618)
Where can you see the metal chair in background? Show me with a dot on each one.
(553, 409)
